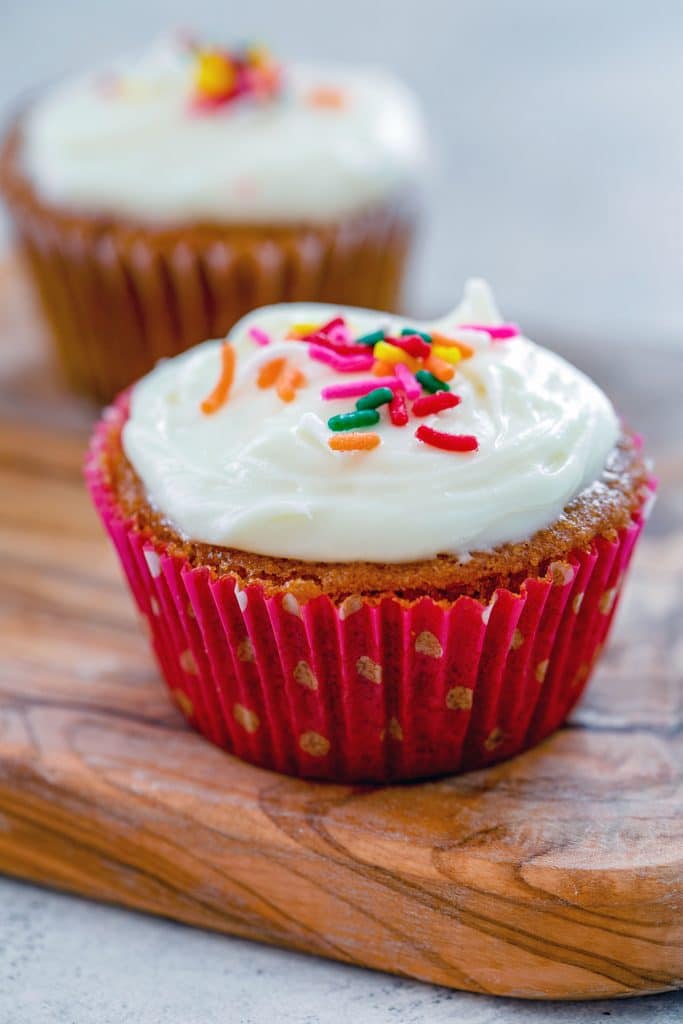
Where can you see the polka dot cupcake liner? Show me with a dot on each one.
(360, 691)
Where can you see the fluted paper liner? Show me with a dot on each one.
(363, 691)
(118, 296)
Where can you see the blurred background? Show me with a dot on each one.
(557, 129)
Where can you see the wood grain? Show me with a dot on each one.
(558, 874)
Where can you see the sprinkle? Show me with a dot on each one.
(431, 383)
(412, 330)
(342, 348)
(220, 76)
(341, 334)
(270, 372)
(428, 404)
(388, 353)
(370, 339)
(342, 364)
(439, 368)
(375, 398)
(326, 96)
(408, 382)
(302, 330)
(357, 387)
(497, 333)
(349, 420)
(334, 330)
(215, 75)
(259, 336)
(220, 393)
(354, 442)
(289, 379)
(443, 341)
(398, 410)
(336, 321)
(413, 344)
(449, 442)
(448, 353)
(382, 369)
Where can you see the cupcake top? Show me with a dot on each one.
(190, 132)
(342, 435)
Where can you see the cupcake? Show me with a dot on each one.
(369, 549)
(159, 200)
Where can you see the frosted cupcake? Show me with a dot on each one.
(160, 200)
(370, 549)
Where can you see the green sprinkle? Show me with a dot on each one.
(421, 334)
(431, 383)
(374, 398)
(350, 420)
(370, 339)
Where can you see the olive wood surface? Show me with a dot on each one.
(556, 874)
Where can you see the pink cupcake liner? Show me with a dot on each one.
(368, 691)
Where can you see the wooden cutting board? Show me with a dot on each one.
(556, 874)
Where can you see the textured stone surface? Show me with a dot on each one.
(65, 961)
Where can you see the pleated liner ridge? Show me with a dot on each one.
(362, 691)
(118, 297)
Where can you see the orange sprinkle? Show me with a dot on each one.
(381, 369)
(219, 395)
(353, 442)
(289, 379)
(466, 351)
(439, 367)
(327, 96)
(270, 372)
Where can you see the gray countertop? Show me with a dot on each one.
(559, 162)
(66, 961)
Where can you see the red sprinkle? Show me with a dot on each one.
(342, 348)
(398, 410)
(449, 442)
(427, 404)
(413, 344)
(337, 321)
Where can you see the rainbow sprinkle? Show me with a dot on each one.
(223, 76)
(411, 367)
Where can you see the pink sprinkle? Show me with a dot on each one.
(498, 333)
(341, 333)
(407, 381)
(259, 336)
(352, 364)
(358, 387)
(342, 348)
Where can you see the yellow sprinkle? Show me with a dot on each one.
(451, 355)
(301, 330)
(215, 74)
(385, 352)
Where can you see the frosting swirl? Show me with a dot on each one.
(133, 141)
(259, 474)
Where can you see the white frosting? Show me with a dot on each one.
(142, 152)
(258, 475)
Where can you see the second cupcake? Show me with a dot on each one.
(158, 201)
